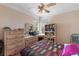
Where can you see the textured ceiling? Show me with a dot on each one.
(32, 9)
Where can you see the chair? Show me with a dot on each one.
(75, 38)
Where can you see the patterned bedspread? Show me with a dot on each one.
(43, 48)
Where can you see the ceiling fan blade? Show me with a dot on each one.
(46, 10)
(51, 4)
(42, 4)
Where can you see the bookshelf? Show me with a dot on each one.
(50, 31)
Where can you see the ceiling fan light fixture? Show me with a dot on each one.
(42, 7)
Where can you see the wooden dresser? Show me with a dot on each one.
(31, 40)
(13, 42)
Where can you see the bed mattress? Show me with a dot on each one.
(43, 48)
(48, 48)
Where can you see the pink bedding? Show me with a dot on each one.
(71, 49)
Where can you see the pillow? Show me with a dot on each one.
(70, 49)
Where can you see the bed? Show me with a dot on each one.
(47, 48)
(41, 48)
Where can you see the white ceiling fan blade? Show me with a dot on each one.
(42, 4)
(46, 10)
(51, 4)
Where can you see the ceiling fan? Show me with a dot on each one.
(43, 7)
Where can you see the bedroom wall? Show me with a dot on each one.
(12, 18)
(67, 24)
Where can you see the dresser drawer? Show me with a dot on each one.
(11, 51)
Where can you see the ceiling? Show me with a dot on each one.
(32, 9)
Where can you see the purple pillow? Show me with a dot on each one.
(71, 50)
